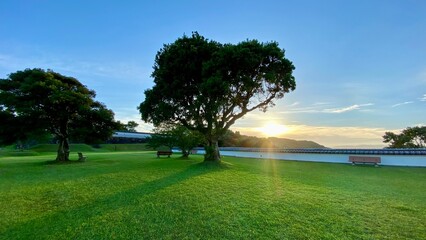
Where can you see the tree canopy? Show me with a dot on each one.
(38, 101)
(411, 137)
(207, 86)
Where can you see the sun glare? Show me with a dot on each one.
(273, 130)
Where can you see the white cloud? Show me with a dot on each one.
(321, 103)
(347, 109)
(403, 103)
(294, 104)
(302, 110)
(319, 108)
(423, 98)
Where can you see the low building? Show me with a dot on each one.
(129, 137)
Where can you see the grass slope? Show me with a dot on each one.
(87, 148)
(43, 149)
(134, 195)
(40, 148)
(125, 147)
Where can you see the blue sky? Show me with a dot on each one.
(360, 65)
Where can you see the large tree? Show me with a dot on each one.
(35, 100)
(206, 86)
(411, 137)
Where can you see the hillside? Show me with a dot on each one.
(290, 143)
(235, 139)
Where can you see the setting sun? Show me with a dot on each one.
(273, 129)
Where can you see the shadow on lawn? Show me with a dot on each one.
(72, 218)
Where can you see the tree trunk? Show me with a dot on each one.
(63, 150)
(212, 151)
(185, 153)
(64, 147)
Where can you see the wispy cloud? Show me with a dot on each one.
(347, 109)
(321, 103)
(403, 103)
(423, 98)
(302, 110)
(319, 108)
(294, 104)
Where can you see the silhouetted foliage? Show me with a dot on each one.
(411, 137)
(35, 101)
(206, 86)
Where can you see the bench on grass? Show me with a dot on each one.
(81, 157)
(164, 153)
(364, 159)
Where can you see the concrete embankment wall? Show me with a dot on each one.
(395, 157)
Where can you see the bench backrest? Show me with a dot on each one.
(164, 152)
(365, 159)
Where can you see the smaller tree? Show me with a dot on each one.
(411, 137)
(161, 137)
(129, 127)
(175, 136)
(186, 139)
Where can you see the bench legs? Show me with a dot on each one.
(375, 164)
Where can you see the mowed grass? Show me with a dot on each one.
(134, 195)
(43, 149)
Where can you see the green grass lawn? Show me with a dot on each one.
(134, 195)
(43, 149)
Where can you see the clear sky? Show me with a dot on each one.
(360, 65)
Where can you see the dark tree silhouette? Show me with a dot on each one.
(207, 86)
(35, 100)
(411, 137)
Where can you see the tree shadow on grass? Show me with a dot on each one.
(72, 218)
